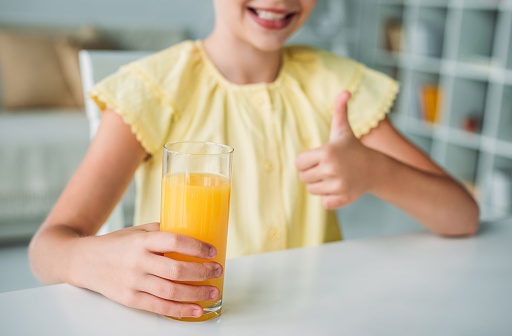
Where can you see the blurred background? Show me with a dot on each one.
(453, 59)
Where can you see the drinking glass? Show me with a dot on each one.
(196, 189)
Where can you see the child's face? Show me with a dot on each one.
(264, 24)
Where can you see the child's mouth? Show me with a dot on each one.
(271, 18)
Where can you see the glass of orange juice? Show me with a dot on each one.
(196, 188)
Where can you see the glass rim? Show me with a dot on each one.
(228, 149)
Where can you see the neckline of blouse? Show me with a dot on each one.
(254, 86)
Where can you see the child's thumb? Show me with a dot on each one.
(339, 123)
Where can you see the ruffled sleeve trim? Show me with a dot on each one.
(104, 101)
(383, 93)
(383, 109)
(140, 102)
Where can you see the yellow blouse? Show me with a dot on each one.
(178, 94)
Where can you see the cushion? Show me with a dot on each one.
(31, 72)
(67, 52)
(41, 69)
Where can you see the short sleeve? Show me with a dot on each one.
(139, 101)
(371, 100)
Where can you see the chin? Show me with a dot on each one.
(267, 42)
(269, 45)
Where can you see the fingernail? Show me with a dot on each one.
(213, 294)
(213, 252)
(218, 271)
(197, 312)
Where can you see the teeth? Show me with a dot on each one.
(270, 15)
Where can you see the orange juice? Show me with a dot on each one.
(197, 204)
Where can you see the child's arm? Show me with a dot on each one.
(128, 265)
(387, 165)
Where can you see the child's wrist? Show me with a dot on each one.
(379, 172)
(76, 267)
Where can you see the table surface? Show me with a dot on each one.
(411, 284)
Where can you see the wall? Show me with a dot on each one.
(194, 15)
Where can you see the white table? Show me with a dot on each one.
(412, 284)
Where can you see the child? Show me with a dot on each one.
(280, 109)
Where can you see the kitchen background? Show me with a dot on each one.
(453, 59)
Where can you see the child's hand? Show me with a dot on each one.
(128, 266)
(339, 170)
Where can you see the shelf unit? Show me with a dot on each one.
(463, 47)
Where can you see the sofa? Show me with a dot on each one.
(44, 132)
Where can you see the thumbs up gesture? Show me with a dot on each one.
(339, 170)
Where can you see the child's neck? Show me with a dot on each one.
(241, 63)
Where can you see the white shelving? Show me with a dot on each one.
(463, 47)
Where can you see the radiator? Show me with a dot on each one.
(38, 154)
